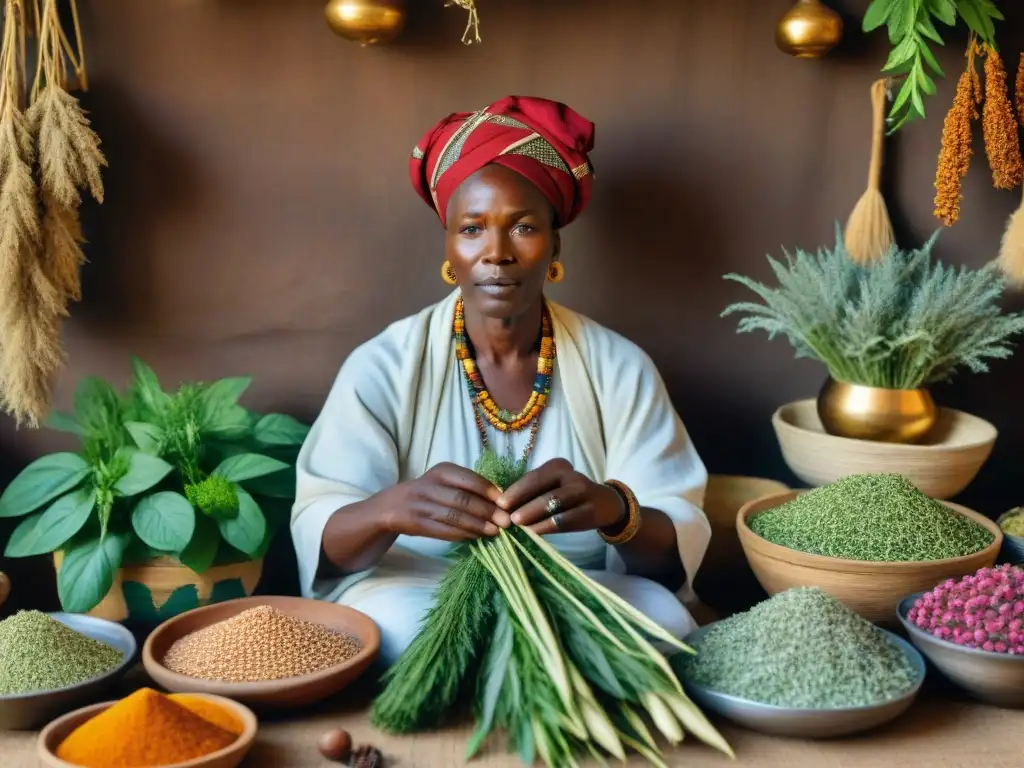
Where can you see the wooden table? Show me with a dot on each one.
(942, 730)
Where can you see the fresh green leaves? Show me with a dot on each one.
(144, 471)
(911, 27)
(148, 437)
(45, 532)
(246, 466)
(146, 388)
(165, 521)
(245, 530)
(280, 429)
(44, 479)
(202, 549)
(87, 572)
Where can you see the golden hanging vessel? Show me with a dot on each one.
(809, 30)
(367, 22)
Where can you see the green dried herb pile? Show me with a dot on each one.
(801, 648)
(876, 517)
(539, 650)
(38, 653)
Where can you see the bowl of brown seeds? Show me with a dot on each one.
(263, 651)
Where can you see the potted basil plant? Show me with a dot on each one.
(170, 502)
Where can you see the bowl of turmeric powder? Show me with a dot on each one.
(153, 729)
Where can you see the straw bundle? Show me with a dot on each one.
(869, 236)
(47, 153)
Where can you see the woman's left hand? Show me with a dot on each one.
(579, 503)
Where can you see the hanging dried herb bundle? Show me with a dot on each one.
(47, 154)
(472, 20)
(1011, 248)
(1002, 140)
(539, 650)
(956, 151)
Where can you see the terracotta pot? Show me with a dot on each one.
(873, 413)
(5, 587)
(155, 591)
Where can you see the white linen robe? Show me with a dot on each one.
(399, 406)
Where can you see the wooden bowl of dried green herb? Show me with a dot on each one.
(868, 540)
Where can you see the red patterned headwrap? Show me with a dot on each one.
(543, 140)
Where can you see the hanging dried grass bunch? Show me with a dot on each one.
(1011, 248)
(472, 22)
(46, 154)
(956, 151)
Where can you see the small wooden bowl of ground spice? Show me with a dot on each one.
(51, 663)
(270, 652)
(868, 540)
(151, 729)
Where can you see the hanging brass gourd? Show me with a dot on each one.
(368, 22)
(809, 30)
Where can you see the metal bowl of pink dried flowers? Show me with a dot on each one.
(972, 631)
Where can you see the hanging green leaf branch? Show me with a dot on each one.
(912, 32)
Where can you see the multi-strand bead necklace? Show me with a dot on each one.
(484, 406)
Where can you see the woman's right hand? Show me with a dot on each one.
(447, 502)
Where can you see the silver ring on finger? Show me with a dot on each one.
(554, 504)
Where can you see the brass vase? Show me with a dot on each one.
(368, 22)
(809, 30)
(873, 413)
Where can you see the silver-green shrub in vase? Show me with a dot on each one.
(884, 331)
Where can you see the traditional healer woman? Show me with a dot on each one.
(384, 488)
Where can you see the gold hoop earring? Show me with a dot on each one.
(448, 273)
(556, 272)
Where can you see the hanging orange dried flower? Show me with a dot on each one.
(955, 154)
(1020, 90)
(1001, 131)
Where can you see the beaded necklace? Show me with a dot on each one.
(502, 420)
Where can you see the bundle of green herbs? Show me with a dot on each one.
(190, 474)
(901, 323)
(539, 650)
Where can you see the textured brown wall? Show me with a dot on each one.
(259, 218)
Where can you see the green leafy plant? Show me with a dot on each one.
(189, 474)
(902, 323)
(912, 29)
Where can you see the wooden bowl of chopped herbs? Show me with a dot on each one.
(942, 464)
(51, 663)
(270, 652)
(868, 540)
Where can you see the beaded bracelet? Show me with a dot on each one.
(633, 517)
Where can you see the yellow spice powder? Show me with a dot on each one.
(212, 713)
